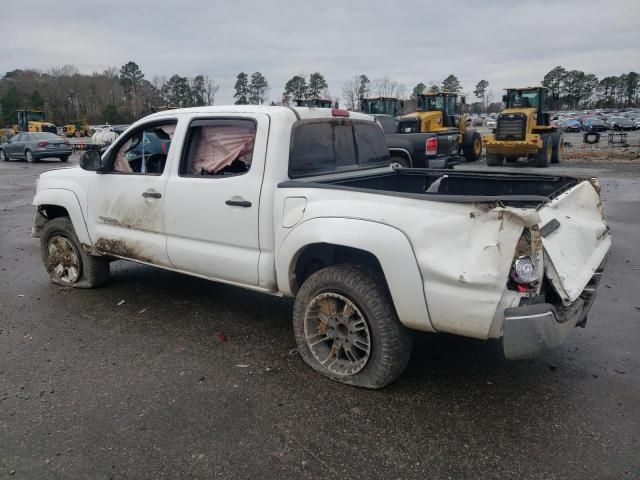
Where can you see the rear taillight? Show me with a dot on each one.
(431, 147)
(43, 144)
(338, 112)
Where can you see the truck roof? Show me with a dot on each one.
(302, 112)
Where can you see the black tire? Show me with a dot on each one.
(389, 342)
(64, 159)
(557, 154)
(542, 159)
(3, 156)
(494, 160)
(402, 161)
(28, 156)
(91, 271)
(77, 133)
(472, 146)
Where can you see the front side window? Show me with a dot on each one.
(219, 147)
(145, 150)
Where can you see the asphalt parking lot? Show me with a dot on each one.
(192, 379)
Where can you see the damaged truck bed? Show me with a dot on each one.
(303, 203)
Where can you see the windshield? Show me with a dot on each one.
(35, 117)
(381, 106)
(431, 103)
(523, 99)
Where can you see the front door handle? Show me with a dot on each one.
(238, 202)
(151, 195)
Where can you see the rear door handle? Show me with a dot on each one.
(238, 202)
(151, 195)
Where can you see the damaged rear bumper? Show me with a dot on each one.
(529, 330)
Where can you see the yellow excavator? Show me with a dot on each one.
(523, 129)
(33, 121)
(440, 113)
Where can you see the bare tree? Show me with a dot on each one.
(350, 93)
(384, 87)
(211, 90)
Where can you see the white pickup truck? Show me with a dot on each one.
(303, 203)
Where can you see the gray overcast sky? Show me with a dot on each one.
(409, 41)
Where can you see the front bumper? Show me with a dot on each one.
(529, 146)
(529, 330)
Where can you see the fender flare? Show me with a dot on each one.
(69, 201)
(389, 245)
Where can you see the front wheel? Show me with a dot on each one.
(472, 146)
(3, 156)
(542, 159)
(557, 154)
(494, 160)
(66, 262)
(346, 327)
(28, 156)
(64, 159)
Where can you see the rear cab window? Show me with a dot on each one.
(322, 146)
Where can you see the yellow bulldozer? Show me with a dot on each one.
(441, 113)
(523, 129)
(76, 128)
(33, 121)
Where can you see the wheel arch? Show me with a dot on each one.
(54, 203)
(322, 242)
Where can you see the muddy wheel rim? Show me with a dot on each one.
(63, 260)
(477, 146)
(337, 334)
(560, 149)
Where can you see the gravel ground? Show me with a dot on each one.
(192, 379)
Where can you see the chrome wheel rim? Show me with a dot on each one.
(63, 260)
(2, 155)
(337, 334)
(29, 157)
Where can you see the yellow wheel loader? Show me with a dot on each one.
(438, 113)
(76, 129)
(33, 121)
(523, 129)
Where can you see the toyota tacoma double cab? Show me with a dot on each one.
(304, 203)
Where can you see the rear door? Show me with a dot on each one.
(213, 199)
(576, 239)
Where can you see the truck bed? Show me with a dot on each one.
(517, 190)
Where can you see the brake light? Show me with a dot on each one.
(43, 144)
(338, 112)
(431, 147)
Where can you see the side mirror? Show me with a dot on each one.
(504, 99)
(92, 161)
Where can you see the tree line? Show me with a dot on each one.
(114, 95)
(121, 95)
(576, 89)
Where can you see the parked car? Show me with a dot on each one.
(572, 125)
(594, 125)
(620, 123)
(303, 203)
(491, 123)
(35, 146)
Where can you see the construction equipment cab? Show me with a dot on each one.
(437, 113)
(314, 102)
(33, 121)
(384, 110)
(523, 129)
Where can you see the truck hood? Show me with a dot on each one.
(575, 238)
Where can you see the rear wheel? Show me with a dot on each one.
(28, 156)
(64, 159)
(543, 157)
(3, 156)
(402, 161)
(472, 146)
(66, 261)
(494, 160)
(558, 148)
(346, 327)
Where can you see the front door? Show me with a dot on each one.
(213, 199)
(126, 205)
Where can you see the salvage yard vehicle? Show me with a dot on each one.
(303, 203)
(524, 129)
(35, 146)
(33, 121)
(433, 136)
(313, 102)
(77, 129)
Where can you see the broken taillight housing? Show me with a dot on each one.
(524, 271)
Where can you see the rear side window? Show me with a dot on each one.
(321, 146)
